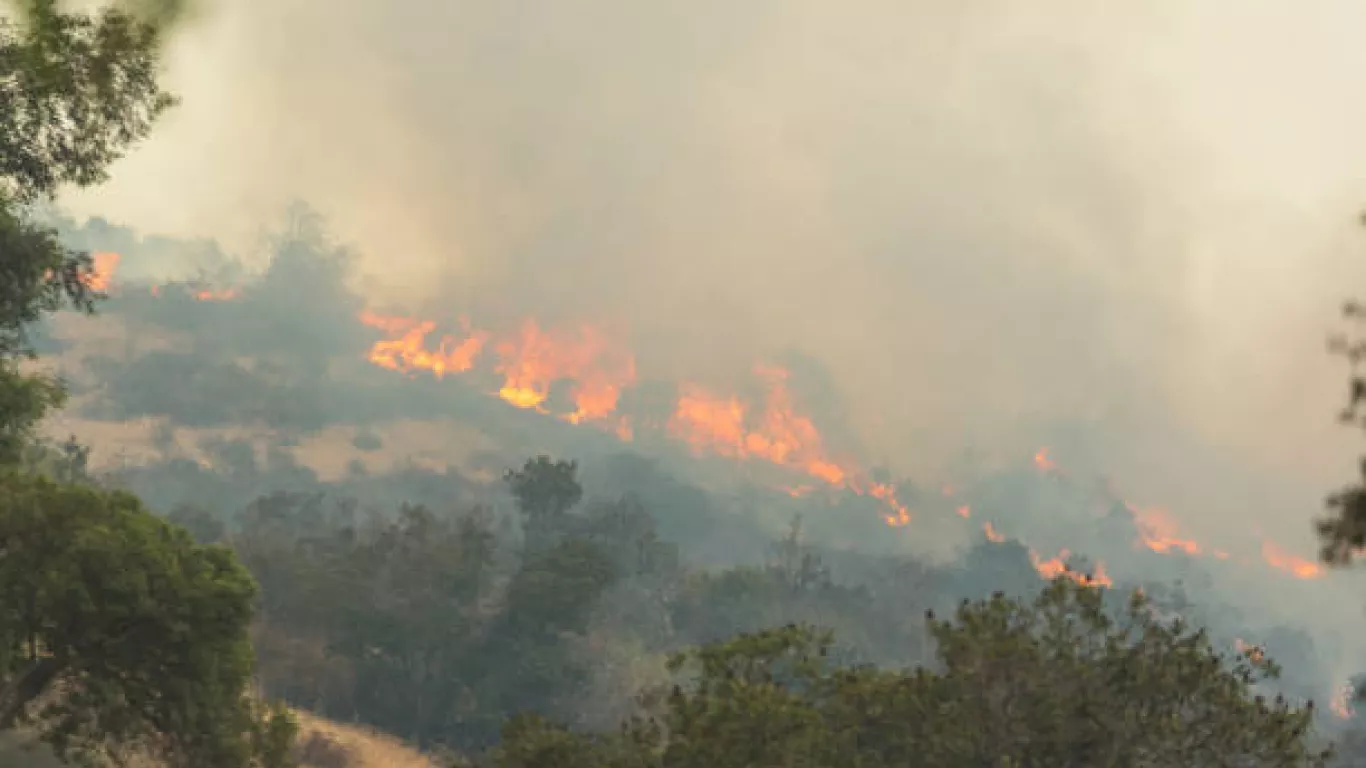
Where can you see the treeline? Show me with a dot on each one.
(574, 636)
(440, 627)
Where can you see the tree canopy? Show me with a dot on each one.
(119, 635)
(1054, 682)
(76, 91)
(119, 632)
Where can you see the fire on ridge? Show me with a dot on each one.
(532, 359)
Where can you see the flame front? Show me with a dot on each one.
(1054, 567)
(1255, 653)
(407, 351)
(1043, 462)
(1295, 566)
(532, 360)
(102, 268)
(992, 534)
(1157, 531)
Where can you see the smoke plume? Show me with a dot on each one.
(1118, 230)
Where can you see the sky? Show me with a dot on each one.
(1122, 230)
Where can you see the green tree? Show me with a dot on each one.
(1342, 533)
(76, 90)
(1057, 681)
(118, 635)
(545, 491)
(121, 634)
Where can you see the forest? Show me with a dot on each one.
(560, 598)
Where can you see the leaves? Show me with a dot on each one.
(142, 633)
(1059, 681)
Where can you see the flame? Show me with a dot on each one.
(1053, 568)
(992, 534)
(226, 294)
(1295, 566)
(535, 359)
(1157, 531)
(407, 350)
(101, 274)
(1255, 653)
(1341, 703)
(779, 434)
(1043, 462)
(101, 278)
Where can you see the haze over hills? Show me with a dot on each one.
(221, 384)
(839, 318)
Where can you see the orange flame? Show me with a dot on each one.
(1057, 566)
(535, 359)
(1255, 653)
(226, 294)
(101, 274)
(781, 435)
(992, 534)
(408, 352)
(1157, 531)
(1295, 566)
(1043, 462)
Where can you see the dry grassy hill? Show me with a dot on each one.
(322, 744)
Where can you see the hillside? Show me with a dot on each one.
(322, 744)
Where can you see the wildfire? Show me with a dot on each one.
(1157, 531)
(227, 294)
(101, 274)
(1255, 653)
(1043, 462)
(1053, 568)
(1341, 703)
(779, 435)
(407, 350)
(533, 360)
(597, 371)
(101, 279)
(1295, 566)
(992, 534)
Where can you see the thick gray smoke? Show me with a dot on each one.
(1120, 230)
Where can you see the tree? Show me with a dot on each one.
(545, 491)
(1056, 681)
(118, 635)
(121, 634)
(1343, 532)
(76, 90)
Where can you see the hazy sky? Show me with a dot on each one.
(1122, 227)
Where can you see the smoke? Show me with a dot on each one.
(1121, 230)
